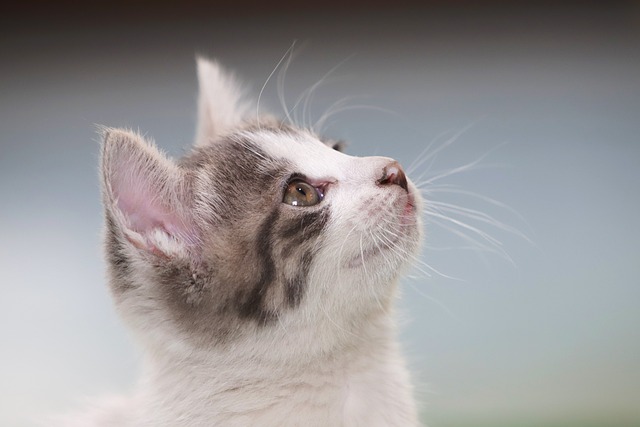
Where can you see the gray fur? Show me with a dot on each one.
(253, 253)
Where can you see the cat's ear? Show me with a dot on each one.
(338, 145)
(220, 103)
(145, 195)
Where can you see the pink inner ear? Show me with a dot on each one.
(146, 208)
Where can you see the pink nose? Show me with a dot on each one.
(392, 174)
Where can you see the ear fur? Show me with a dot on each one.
(220, 105)
(145, 194)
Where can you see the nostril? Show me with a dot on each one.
(393, 174)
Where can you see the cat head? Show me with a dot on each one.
(263, 233)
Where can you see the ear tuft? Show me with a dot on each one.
(220, 104)
(145, 193)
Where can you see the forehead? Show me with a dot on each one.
(300, 150)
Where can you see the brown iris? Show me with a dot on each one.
(300, 193)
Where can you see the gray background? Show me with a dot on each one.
(547, 335)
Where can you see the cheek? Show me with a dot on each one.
(351, 220)
(361, 210)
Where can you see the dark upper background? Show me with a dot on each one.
(548, 91)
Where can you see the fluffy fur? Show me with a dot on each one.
(250, 311)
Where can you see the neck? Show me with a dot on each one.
(364, 383)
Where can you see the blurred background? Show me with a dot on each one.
(527, 117)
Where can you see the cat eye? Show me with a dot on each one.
(300, 193)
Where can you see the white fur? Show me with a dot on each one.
(365, 387)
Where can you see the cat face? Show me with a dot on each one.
(261, 233)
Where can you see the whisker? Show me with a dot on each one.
(388, 263)
(327, 288)
(490, 247)
(466, 226)
(455, 190)
(362, 256)
(282, 75)
(473, 165)
(441, 148)
(417, 260)
(307, 95)
(268, 79)
(319, 124)
(333, 111)
(435, 301)
(419, 159)
(478, 216)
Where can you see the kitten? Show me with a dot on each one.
(259, 274)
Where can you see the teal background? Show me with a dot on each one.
(545, 333)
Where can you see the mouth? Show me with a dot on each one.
(388, 240)
(407, 217)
